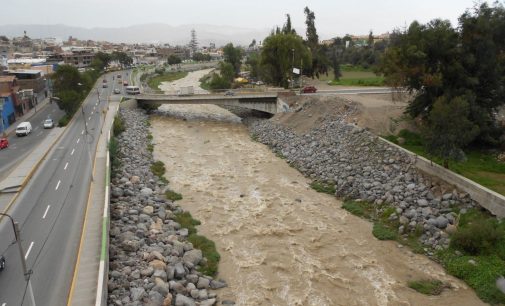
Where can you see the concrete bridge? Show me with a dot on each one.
(264, 102)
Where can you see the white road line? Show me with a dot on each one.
(4, 304)
(29, 250)
(45, 214)
(82, 133)
(78, 139)
(66, 165)
(57, 185)
(89, 118)
(92, 112)
(72, 153)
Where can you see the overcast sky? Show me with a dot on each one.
(333, 17)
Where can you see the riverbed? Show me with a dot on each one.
(282, 243)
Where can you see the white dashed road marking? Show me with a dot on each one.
(45, 214)
(58, 185)
(29, 250)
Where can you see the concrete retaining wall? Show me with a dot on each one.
(492, 201)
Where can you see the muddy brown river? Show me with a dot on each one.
(282, 243)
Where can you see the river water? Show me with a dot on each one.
(281, 243)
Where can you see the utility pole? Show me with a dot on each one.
(27, 273)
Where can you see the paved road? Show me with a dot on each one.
(51, 211)
(20, 147)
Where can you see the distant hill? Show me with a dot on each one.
(143, 33)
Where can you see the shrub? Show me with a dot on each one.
(118, 126)
(382, 232)
(114, 154)
(323, 187)
(172, 195)
(360, 209)
(428, 286)
(478, 237)
(63, 121)
(186, 221)
(208, 248)
(158, 168)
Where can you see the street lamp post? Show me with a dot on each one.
(27, 273)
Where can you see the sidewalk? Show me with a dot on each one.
(90, 278)
(26, 116)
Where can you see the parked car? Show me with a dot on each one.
(260, 83)
(4, 143)
(2, 262)
(48, 123)
(229, 93)
(117, 91)
(309, 89)
(24, 128)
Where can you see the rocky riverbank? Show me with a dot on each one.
(362, 167)
(150, 260)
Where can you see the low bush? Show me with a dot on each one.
(323, 187)
(63, 121)
(360, 209)
(173, 196)
(186, 221)
(208, 247)
(478, 237)
(118, 126)
(428, 286)
(158, 168)
(383, 232)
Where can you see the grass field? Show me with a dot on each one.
(154, 82)
(354, 76)
(481, 167)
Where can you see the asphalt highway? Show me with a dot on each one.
(20, 147)
(51, 210)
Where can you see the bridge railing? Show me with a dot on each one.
(200, 91)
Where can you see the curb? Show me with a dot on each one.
(105, 228)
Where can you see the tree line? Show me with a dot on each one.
(457, 77)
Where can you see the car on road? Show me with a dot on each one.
(229, 93)
(105, 85)
(24, 128)
(117, 91)
(309, 89)
(4, 143)
(48, 123)
(2, 262)
(118, 76)
(125, 83)
(260, 83)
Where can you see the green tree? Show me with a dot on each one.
(448, 129)
(173, 59)
(200, 57)
(124, 59)
(277, 57)
(320, 62)
(100, 61)
(336, 66)
(287, 28)
(66, 77)
(233, 55)
(253, 61)
(435, 60)
(370, 39)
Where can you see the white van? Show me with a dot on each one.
(24, 128)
